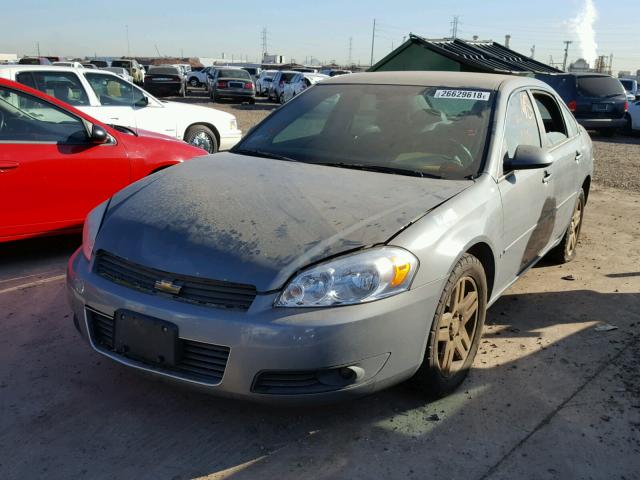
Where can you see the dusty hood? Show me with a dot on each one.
(254, 220)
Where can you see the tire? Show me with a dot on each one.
(195, 136)
(608, 132)
(628, 128)
(444, 367)
(565, 251)
(194, 82)
(252, 101)
(281, 100)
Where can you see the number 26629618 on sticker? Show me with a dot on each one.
(463, 94)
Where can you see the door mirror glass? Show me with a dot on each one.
(99, 135)
(528, 157)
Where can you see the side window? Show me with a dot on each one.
(64, 86)
(569, 121)
(113, 91)
(30, 119)
(311, 123)
(521, 124)
(552, 119)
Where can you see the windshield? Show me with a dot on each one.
(423, 131)
(599, 86)
(121, 63)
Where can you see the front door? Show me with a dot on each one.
(117, 100)
(528, 200)
(50, 175)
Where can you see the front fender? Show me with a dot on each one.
(442, 236)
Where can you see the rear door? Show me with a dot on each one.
(560, 137)
(117, 99)
(50, 175)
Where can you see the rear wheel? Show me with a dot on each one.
(194, 82)
(565, 251)
(608, 132)
(201, 136)
(456, 329)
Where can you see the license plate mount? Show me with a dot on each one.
(146, 338)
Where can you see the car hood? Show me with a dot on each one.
(252, 220)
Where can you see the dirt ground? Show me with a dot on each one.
(550, 395)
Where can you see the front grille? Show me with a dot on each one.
(200, 361)
(213, 293)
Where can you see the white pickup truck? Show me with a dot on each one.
(198, 78)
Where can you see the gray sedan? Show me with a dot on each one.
(353, 240)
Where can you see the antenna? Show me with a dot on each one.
(373, 40)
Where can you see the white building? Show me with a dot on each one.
(8, 58)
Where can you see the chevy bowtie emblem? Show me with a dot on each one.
(167, 286)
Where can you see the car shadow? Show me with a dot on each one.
(118, 423)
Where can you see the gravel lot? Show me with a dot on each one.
(617, 159)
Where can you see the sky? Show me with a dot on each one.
(300, 30)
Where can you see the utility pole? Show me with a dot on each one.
(373, 40)
(264, 43)
(454, 27)
(38, 47)
(350, 50)
(566, 54)
(610, 72)
(128, 48)
(533, 51)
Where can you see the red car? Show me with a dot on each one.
(57, 163)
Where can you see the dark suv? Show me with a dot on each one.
(598, 101)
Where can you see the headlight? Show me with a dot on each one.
(233, 124)
(91, 226)
(357, 278)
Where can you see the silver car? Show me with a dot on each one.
(353, 240)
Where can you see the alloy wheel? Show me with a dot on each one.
(574, 227)
(457, 326)
(202, 140)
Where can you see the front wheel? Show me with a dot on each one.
(456, 329)
(565, 251)
(194, 82)
(202, 137)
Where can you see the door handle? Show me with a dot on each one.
(546, 177)
(578, 156)
(4, 166)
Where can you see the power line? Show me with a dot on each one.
(566, 54)
(454, 26)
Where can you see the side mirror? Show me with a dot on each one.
(99, 135)
(143, 102)
(528, 157)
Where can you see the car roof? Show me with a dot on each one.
(55, 68)
(489, 81)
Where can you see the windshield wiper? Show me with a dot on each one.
(262, 153)
(382, 169)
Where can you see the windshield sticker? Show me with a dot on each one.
(463, 94)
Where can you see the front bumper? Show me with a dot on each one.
(229, 139)
(385, 339)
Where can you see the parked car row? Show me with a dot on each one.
(113, 100)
